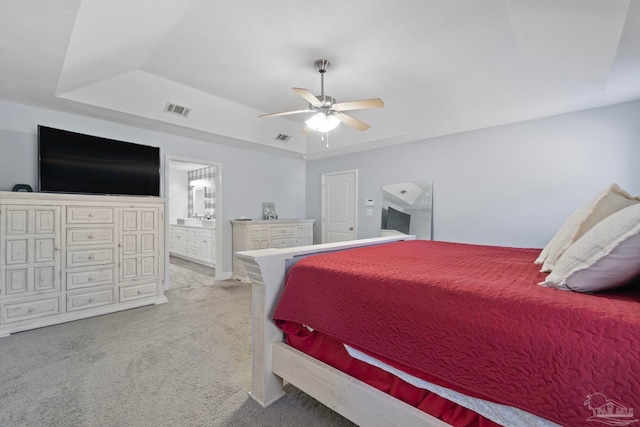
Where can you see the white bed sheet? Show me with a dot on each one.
(501, 414)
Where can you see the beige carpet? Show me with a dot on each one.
(184, 363)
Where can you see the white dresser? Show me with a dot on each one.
(195, 243)
(263, 234)
(67, 257)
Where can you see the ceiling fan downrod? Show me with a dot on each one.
(322, 65)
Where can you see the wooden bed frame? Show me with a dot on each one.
(274, 362)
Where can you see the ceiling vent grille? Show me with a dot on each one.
(177, 109)
(282, 137)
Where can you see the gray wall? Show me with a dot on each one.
(248, 177)
(18, 159)
(179, 191)
(509, 185)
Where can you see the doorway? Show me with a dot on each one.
(339, 206)
(193, 189)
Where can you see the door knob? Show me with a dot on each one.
(350, 228)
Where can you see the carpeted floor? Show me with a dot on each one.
(184, 363)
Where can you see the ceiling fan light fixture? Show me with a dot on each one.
(322, 122)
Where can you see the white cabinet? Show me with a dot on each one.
(139, 247)
(197, 244)
(263, 234)
(67, 257)
(30, 262)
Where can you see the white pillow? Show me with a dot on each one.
(606, 257)
(609, 201)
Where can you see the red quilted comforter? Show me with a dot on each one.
(473, 318)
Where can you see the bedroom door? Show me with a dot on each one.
(339, 208)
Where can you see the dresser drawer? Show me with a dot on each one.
(285, 230)
(89, 278)
(303, 230)
(128, 293)
(303, 241)
(259, 244)
(14, 312)
(91, 299)
(259, 233)
(89, 215)
(288, 242)
(98, 256)
(90, 236)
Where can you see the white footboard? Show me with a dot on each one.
(267, 270)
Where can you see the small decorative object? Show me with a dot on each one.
(269, 210)
(22, 187)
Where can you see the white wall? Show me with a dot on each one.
(508, 185)
(179, 191)
(248, 177)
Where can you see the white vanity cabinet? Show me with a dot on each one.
(194, 243)
(263, 234)
(68, 257)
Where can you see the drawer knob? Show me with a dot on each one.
(90, 257)
(139, 292)
(90, 215)
(31, 310)
(90, 300)
(91, 236)
(90, 279)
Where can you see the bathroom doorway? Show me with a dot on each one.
(194, 205)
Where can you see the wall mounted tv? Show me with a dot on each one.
(72, 162)
(397, 220)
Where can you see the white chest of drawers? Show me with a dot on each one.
(67, 257)
(263, 234)
(90, 267)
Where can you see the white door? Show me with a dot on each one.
(339, 196)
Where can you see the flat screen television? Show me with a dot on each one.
(397, 220)
(70, 162)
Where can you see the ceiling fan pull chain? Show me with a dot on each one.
(327, 135)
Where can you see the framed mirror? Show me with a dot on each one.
(407, 208)
(199, 195)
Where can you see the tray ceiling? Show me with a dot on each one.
(441, 67)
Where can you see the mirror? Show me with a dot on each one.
(408, 208)
(199, 201)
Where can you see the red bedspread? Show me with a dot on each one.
(473, 318)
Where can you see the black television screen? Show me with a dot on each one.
(397, 220)
(72, 162)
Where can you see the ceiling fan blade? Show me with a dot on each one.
(351, 121)
(311, 98)
(359, 105)
(285, 113)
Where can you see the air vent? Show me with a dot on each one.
(282, 137)
(177, 109)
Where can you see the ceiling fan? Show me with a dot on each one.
(328, 113)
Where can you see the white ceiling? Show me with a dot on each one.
(440, 66)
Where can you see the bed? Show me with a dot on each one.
(556, 356)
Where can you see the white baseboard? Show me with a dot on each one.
(225, 275)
